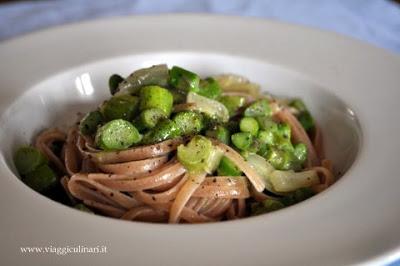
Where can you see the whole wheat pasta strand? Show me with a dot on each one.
(163, 197)
(134, 168)
(111, 194)
(137, 153)
(223, 187)
(192, 183)
(45, 139)
(145, 213)
(72, 156)
(166, 175)
(105, 209)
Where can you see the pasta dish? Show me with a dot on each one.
(169, 146)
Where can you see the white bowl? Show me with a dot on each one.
(351, 89)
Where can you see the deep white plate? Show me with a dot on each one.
(352, 88)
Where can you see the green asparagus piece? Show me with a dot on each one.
(199, 155)
(242, 140)
(189, 122)
(232, 103)
(117, 134)
(150, 117)
(220, 133)
(41, 179)
(268, 205)
(120, 107)
(209, 88)
(183, 79)
(28, 159)
(304, 116)
(165, 129)
(90, 122)
(228, 168)
(156, 97)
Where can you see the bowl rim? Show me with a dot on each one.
(11, 50)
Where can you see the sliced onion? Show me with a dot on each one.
(289, 181)
(211, 107)
(236, 83)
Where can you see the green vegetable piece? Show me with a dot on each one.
(277, 148)
(266, 137)
(199, 155)
(279, 159)
(165, 129)
(272, 205)
(249, 124)
(209, 88)
(189, 123)
(113, 83)
(232, 103)
(300, 152)
(155, 75)
(28, 159)
(150, 117)
(41, 179)
(90, 122)
(298, 104)
(297, 196)
(242, 140)
(227, 168)
(258, 108)
(117, 134)
(285, 159)
(220, 133)
(156, 97)
(120, 107)
(268, 205)
(304, 116)
(306, 120)
(210, 107)
(82, 207)
(183, 79)
(266, 123)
